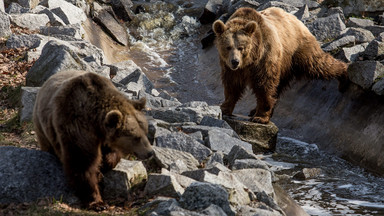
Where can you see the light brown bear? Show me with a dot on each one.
(89, 125)
(265, 51)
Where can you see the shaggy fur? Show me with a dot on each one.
(265, 51)
(89, 125)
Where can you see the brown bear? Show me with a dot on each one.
(265, 51)
(89, 125)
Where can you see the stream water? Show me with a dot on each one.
(165, 43)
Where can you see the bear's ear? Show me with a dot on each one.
(250, 28)
(113, 119)
(219, 27)
(139, 104)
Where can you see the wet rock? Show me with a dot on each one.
(287, 7)
(308, 173)
(183, 142)
(74, 31)
(365, 73)
(248, 164)
(326, 28)
(211, 11)
(122, 8)
(220, 141)
(30, 21)
(351, 54)
(172, 159)
(359, 23)
(69, 13)
(119, 181)
(27, 175)
(374, 51)
(200, 195)
(163, 185)
(261, 136)
(28, 97)
(111, 26)
(15, 8)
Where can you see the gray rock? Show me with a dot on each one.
(184, 181)
(30, 41)
(169, 115)
(287, 7)
(199, 196)
(361, 35)
(119, 181)
(303, 13)
(220, 141)
(211, 11)
(248, 164)
(198, 135)
(15, 8)
(365, 73)
(336, 44)
(351, 54)
(205, 130)
(30, 21)
(359, 6)
(5, 25)
(349, 36)
(376, 30)
(238, 152)
(55, 57)
(214, 122)
(308, 173)
(2, 6)
(122, 9)
(163, 185)
(216, 157)
(301, 3)
(261, 136)
(296, 148)
(54, 20)
(327, 28)
(158, 102)
(27, 175)
(111, 26)
(197, 110)
(257, 180)
(359, 23)
(74, 31)
(374, 51)
(67, 12)
(336, 10)
(378, 87)
(183, 142)
(261, 210)
(166, 157)
(28, 97)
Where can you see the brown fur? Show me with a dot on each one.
(89, 125)
(265, 51)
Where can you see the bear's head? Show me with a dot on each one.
(127, 130)
(235, 42)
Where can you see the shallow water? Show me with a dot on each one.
(168, 50)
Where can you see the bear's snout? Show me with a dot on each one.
(235, 63)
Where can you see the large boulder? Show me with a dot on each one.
(365, 73)
(327, 28)
(69, 13)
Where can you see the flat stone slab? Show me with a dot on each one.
(261, 136)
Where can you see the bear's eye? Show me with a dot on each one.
(240, 48)
(229, 48)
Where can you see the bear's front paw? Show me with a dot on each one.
(261, 120)
(226, 110)
(98, 206)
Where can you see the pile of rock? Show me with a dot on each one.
(355, 40)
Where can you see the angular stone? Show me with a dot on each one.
(30, 21)
(28, 97)
(2, 6)
(30, 41)
(308, 173)
(211, 11)
(287, 7)
(111, 26)
(296, 148)
(169, 115)
(338, 43)
(248, 164)
(166, 157)
(54, 20)
(351, 54)
(303, 13)
(69, 13)
(184, 181)
(237, 153)
(364, 73)
(200, 195)
(257, 180)
(214, 122)
(197, 110)
(375, 29)
(361, 35)
(359, 23)
(183, 142)
(219, 141)
(378, 87)
(374, 51)
(15, 8)
(206, 129)
(27, 175)
(119, 181)
(122, 9)
(327, 28)
(163, 185)
(216, 157)
(261, 136)
(261, 210)
(5, 25)
(74, 31)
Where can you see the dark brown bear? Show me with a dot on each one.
(265, 51)
(89, 125)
